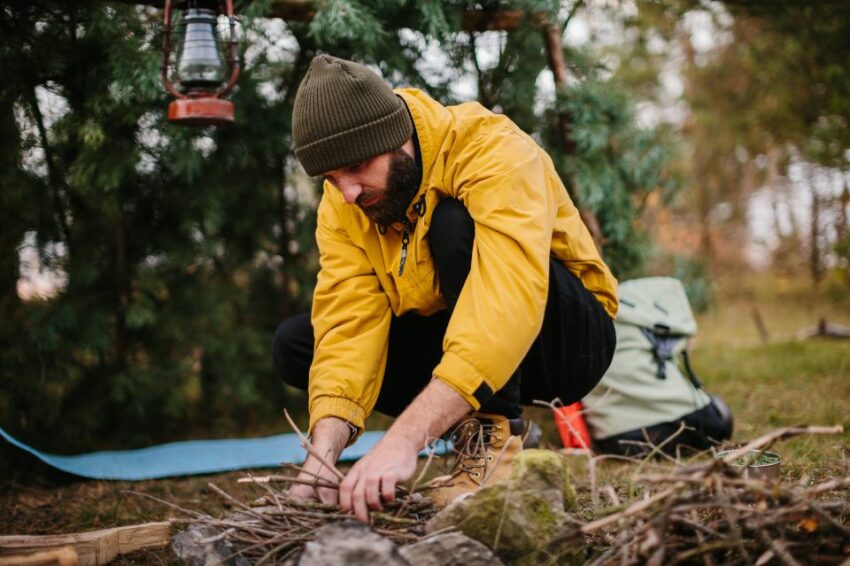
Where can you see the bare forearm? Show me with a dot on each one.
(430, 414)
(329, 438)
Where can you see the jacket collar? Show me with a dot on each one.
(431, 121)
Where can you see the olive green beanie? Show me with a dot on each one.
(344, 114)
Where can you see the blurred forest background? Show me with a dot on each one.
(145, 266)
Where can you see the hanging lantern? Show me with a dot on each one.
(203, 65)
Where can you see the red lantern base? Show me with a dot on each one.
(206, 111)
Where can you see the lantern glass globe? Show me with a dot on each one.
(200, 63)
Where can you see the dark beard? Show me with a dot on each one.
(402, 185)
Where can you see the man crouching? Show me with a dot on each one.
(457, 283)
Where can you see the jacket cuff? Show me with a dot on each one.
(341, 408)
(466, 379)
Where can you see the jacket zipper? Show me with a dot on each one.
(419, 209)
(405, 239)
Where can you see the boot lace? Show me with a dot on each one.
(473, 448)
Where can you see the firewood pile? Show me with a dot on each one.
(705, 513)
(713, 517)
(709, 514)
(274, 528)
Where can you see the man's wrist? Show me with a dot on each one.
(329, 438)
(433, 411)
(413, 438)
(333, 427)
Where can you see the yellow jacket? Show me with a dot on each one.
(522, 216)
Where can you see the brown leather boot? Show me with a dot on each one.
(484, 446)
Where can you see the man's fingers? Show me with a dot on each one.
(346, 488)
(372, 486)
(329, 496)
(388, 487)
(303, 493)
(358, 502)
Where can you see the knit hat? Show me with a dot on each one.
(344, 114)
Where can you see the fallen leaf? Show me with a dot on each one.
(34, 501)
(810, 524)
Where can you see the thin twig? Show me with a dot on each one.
(781, 434)
(633, 510)
(305, 443)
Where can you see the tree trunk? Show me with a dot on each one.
(11, 232)
(815, 255)
(843, 228)
(555, 54)
(54, 179)
(122, 289)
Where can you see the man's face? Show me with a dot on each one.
(382, 187)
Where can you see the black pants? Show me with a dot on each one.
(566, 360)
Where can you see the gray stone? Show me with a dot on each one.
(449, 549)
(195, 547)
(349, 542)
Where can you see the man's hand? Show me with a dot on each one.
(317, 492)
(393, 459)
(330, 435)
(375, 476)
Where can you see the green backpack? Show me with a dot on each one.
(645, 385)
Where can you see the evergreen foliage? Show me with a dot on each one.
(615, 166)
(173, 239)
(183, 248)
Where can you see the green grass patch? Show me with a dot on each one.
(786, 384)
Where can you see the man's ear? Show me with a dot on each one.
(409, 149)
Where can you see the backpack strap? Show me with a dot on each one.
(662, 348)
(689, 371)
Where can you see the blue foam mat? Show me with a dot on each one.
(189, 457)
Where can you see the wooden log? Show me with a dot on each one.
(65, 556)
(94, 547)
(824, 329)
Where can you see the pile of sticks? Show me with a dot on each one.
(708, 514)
(705, 513)
(276, 527)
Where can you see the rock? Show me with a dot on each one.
(449, 549)
(521, 518)
(195, 549)
(349, 542)
(547, 473)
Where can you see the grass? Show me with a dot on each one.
(780, 383)
(785, 304)
(784, 382)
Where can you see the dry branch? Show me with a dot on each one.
(305, 443)
(708, 514)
